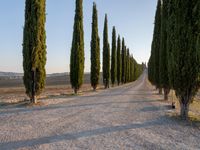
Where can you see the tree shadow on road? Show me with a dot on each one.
(156, 108)
(81, 134)
(24, 109)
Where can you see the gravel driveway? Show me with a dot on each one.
(131, 116)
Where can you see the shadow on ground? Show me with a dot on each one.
(21, 109)
(82, 134)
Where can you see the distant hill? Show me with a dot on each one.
(58, 74)
(19, 75)
(10, 79)
(10, 74)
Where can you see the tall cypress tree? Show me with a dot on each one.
(106, 55)
(171, 39)
(119, 64)
(77, 50)
(114, 56)
(163, 64)
(34, 48)
(151, 65)
(156, 46)
(95, 50)
(136, 70)
(132, 69)
(123, 61)
(127, 66)
(186, 52)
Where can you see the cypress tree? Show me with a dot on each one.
(127, 65)
(132, 68)
(114, 56)
(163, 64)
(95, 50)
(135, 69)
(150, 69)
(125, 74)
(34, 48)
(186, 53)
(119, 64)
(77, 50)
(156, 46)
(151, 66)
(123, 61)
(171, 39)
(139, 70)
(106, 55)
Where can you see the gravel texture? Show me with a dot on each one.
(131, 116)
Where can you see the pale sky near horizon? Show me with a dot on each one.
(133, 19)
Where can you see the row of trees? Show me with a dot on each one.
(111, 68)
(175, 56)
(123, 67)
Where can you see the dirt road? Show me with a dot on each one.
(127, 117)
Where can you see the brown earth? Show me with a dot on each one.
(12, 90)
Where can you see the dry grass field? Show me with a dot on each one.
(12, 90)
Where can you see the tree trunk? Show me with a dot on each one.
(94, 88)
(106, 85)
(75, 90)
(165, 96)
(184, 110)
(166, 92)
(34, 100)
(160, 91)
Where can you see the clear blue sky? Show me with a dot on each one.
(133, 20)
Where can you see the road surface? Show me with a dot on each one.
(131, 116)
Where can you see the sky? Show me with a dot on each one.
(133, 19)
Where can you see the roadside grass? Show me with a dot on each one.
(193, 120)
(50, 92)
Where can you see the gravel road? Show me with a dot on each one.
(131, 116)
